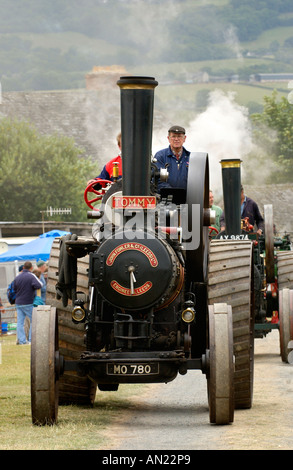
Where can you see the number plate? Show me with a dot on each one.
(133, 369)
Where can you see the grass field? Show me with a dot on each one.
(245, 93)
(180, 102)
(78, 428)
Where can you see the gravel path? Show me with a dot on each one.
(175, 416)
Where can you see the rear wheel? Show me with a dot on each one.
(72, 388)
(230, 281)
(221, 367)
(285, 269)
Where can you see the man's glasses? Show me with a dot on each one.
(177, 137)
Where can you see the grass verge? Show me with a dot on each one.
(78, 428)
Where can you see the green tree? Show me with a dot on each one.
(40, 171)
(273, 130)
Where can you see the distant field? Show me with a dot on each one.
(244, 93)
(212, 66)
(180, 103)
(65, 40)
(267, 37)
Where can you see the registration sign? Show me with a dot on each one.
(133, 369)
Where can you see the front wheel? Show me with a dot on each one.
(286, 322)
(221, 364)
(44, 366)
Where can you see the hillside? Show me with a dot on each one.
(52, 45)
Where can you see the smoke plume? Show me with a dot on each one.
(223, 131)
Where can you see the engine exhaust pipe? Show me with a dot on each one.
(231, 180)
(137, 102)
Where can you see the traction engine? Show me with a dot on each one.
(272, 262)
(133, 303)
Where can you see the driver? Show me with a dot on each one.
(107, 171)
(250, 209)
(175, 158)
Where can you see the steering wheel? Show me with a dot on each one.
(105, 184)
(211, 230)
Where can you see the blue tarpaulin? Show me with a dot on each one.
(38, 249)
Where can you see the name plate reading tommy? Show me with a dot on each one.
(134, 202)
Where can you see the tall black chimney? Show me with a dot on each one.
(137, 102)
(231, 179)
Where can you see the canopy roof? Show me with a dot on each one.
(38, 249)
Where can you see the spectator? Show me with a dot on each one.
(218, 211)
(38, 299)
(25, 285)
(175, 158)
(42, 266)
(2, 310)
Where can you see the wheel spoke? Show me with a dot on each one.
(98, 198)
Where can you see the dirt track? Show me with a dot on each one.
(175, 416)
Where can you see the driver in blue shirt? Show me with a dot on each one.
(175, 159)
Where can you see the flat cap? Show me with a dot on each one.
(177, 129)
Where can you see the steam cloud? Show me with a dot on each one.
(223, 131)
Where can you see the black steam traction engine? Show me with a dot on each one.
(273, 264)
(135, 303)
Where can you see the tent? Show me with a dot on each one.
(38, 249)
